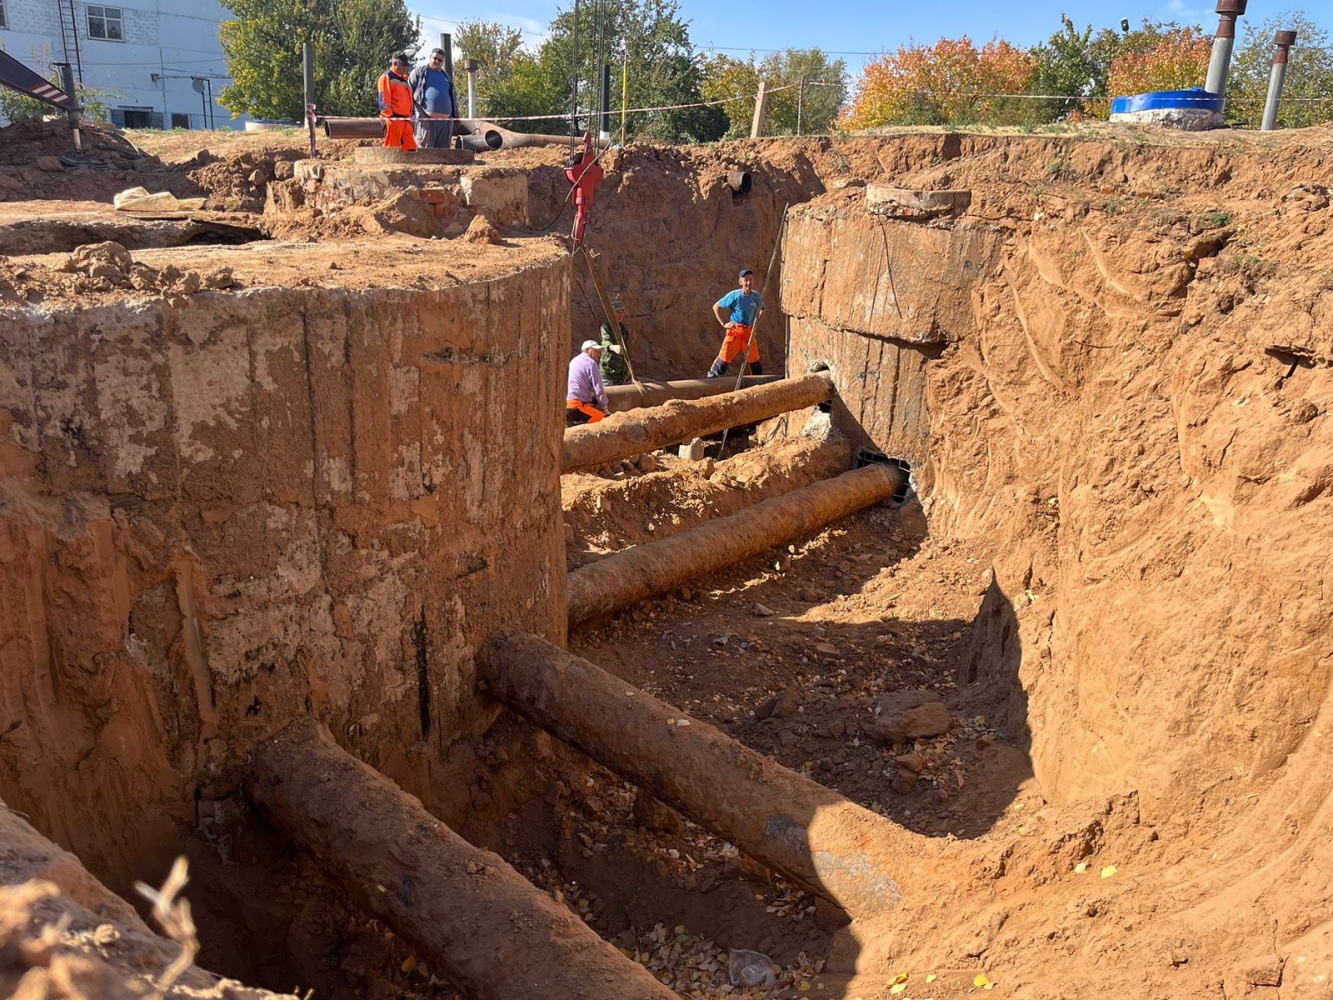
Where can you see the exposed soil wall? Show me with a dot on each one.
(1130, 401)
(225, 512)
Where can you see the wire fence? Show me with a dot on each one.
(942, 96)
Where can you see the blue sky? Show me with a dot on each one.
(857, 30)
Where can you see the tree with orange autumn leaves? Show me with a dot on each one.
(949, 83)
(1178, 61)
(1073, 75)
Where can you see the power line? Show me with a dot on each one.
(827, 52)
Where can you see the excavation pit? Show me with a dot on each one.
(1089, 371)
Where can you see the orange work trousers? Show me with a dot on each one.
(577, 412)
(734, 344)
(398, 134)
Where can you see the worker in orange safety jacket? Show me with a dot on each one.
(396, 104)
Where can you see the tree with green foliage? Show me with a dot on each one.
(353, 42)
(497, 48)
(734, 83)
(645, 37)
(1067, 69)
(806, 90)
(1307, 93)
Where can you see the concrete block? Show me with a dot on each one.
(693, 452)
(884, 199)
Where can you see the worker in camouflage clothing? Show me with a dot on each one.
(615, 371)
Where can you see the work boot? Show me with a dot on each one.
(718, 370)
(756, 368)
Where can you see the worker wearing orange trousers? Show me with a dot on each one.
(396, 104)
(737, 312)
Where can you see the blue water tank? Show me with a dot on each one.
(1194, 99)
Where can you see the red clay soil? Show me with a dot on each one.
(1112, 578)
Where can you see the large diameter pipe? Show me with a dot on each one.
(1283, 41)
(354, 128)
(476, 135)
(637, 395)
(591, 445)
(637, 573)
(770, 812)
(458, 906)
(480, 135)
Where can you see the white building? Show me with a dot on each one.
(160, 60)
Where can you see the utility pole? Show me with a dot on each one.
(308, 80)
(760, 109)
(800, 105)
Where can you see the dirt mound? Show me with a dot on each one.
(23, 144)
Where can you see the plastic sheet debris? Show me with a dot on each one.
(751, 968)
(139, 199)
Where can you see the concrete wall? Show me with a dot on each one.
(216, 517)
(874, 300)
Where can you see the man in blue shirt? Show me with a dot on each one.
(434, 94)
(737, 312)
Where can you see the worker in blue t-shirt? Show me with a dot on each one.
(436, 101)
(738, 311)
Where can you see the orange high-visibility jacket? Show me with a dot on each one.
(395, 96)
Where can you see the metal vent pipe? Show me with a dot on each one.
(1284, 40)
(1219, 65)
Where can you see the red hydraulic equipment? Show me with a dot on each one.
(585, 174)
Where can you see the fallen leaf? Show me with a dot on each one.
(931, 977)
(805, 986)
(897, 987)
(900, 978)
(1108, 871)
(1081, 867)
(409, 963)
(982, 980)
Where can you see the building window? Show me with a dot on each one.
(179, 120)
(106, 23)
(4, 22)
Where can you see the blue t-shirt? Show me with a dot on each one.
(742, 306)
(436, 90)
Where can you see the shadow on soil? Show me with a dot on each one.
(790, 653)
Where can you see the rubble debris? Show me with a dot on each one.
(138, 199)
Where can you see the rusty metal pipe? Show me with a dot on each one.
(498, 137)
(625, 434)
(653, 393)
(477, 135)
(354, 128)
(637, 573)
(739, 181)
(797, 826)
(460, 907)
